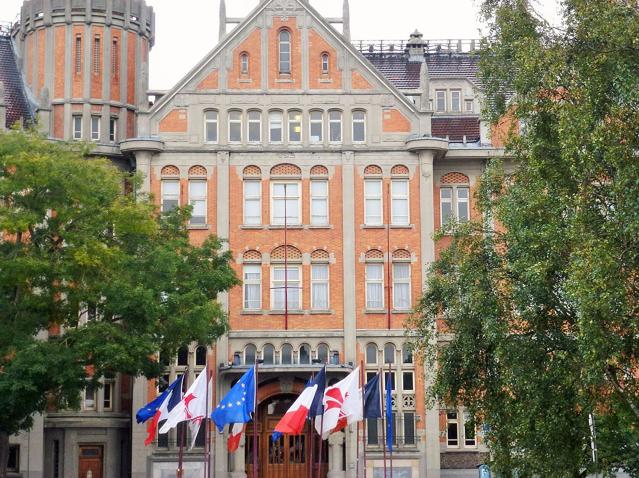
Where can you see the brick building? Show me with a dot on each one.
(327, 164)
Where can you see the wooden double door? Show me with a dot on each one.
(295, 456)
(91, 461)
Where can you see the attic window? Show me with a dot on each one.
(244, 64)
(325, 63)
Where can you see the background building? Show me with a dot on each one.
(327, 164)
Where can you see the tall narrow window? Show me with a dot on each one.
(254, 126)
(454, 204)
(97, 55)
(294, 126)
(463, 212)
(319, 286)
(285, 203)
(375, 286)
(249, 354)
(359, 127)
(210, 126)
(285, 52)
(113, 129)
(252, 287)
(319, 202)
(95, 128)
(452, 428)
(455, 100)
(373, 202)
(446, 204)
(305, 354)
(322, 353)
(107, 396)
(197, 200)
(401, 285)
(440, 100)
(170, 194)
(244, 64)
(409, 428)
(285, 285)
(275, 120)
(235, 126)
(389, 357)
(335, 126)
(399, 202)
(89, 398)
(268, 354)
(115, 58)
(325, 63)
(371, 354)
(287, 354)
(78, 54)
(470, 436)
(252, 203)
(469, 106)
(77, 127)
(316, 120)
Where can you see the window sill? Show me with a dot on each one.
(245, 80)
(375, 311)
(252, 312)
(198, 227)
(321, 312)
(249, 226)
(366, 226)
(401, 311)
(281, 312)
(283, 80)
(320, 226)
(402, 226)
(291, 226)
(325, 80)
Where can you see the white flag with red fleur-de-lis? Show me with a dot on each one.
(192, 407)
(342, 405)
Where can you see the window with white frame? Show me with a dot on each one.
(470, 431)
(285, 52)
(316, 127)
(373, 202)
(408, 381)
(400, 214)
(325, 63)
(462, 196)
(210, 126)
(252, 203)
(461, 430)
(359, 127)
(244, 64)
(113, 129)
(88, 402)
(319, 202)
(374, 285)
(455, 101)
(107, 396)
(335, 126)
(285, 203)
(95, 128)
(275, 125)
(294, 126)
(197, 200)
(440, 101)
(469, 106)
(452, 428)
(77, 126)
(401, 285)
(254, 126)
(235, 126)
(319, 287)
(285, 287)
(454, 204)
(170, 194)
(252, 286)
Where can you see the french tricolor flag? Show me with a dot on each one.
(159, 408)
(235, 436)
(307, 405)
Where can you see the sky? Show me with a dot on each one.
(182, 38)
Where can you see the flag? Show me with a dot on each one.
(372, 399)
(342, 405)
(238, 405)
(293, 421)
(235, 435)
(191, 408)
(159, 408)
(389, 414)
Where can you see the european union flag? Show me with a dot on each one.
(238, 404)
(372, 399)
(389, 414)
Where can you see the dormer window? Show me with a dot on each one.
(244, 64)
(285, 52)
(325, 63)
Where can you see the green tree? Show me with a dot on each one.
(541, 296)
(72, 239)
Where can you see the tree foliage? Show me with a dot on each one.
(73, 241)
(540, 298)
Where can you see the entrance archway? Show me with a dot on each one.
(289, 455)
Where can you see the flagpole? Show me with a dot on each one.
(383, 420)
(391, 427)
(207, 431)
(182, 432)
(321, 437)
(310, 439)
(255, 421)
(364, 421)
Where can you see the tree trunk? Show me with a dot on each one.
(4, 453)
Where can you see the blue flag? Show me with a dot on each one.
(238, 405)
(389, 414)
(317, 408)
(147, 411)
(372, 399)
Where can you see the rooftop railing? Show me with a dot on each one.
(5, 28)
(430, 46)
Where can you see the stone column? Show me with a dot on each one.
(335, 462)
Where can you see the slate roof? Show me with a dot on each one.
(15, 95)
(405, 75)
(456, 128)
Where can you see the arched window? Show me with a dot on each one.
(374, 278)
(316, 126)
(244, 64)
(305, 354)
(322, 353)
(275, 126)
(268, 354)
(389, 353)
(285, 52)
(407, 353)
(200, 356)
(335, 126)
(287, 354)
(210, 126)
(325, 64)
(235, 126)
(183, 357)
(249, 354)
(359, 127)
(371, 354)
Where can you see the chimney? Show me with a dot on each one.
(415, 47)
